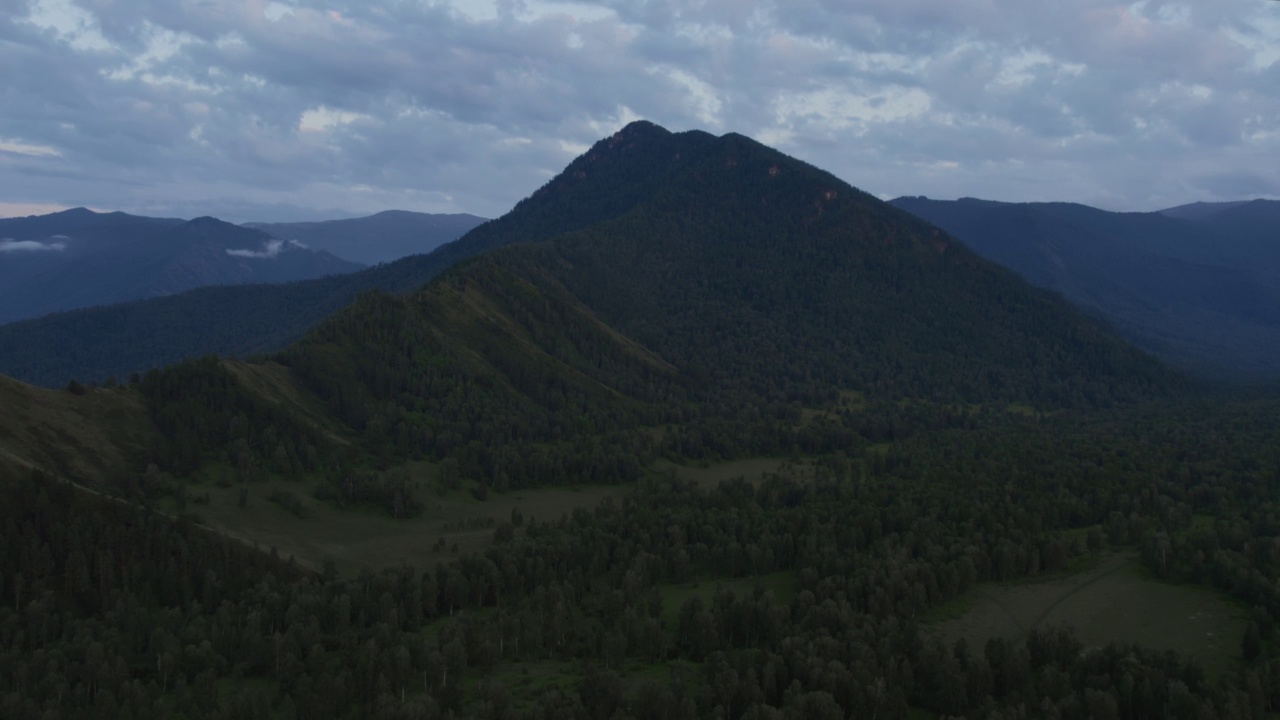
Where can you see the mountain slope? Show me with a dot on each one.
(1200, 293)
(102, 259)
(91, 437)
(384, 237)
(1248, 235)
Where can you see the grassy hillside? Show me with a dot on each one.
(95, 436)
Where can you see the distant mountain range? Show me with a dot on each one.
(379, 238)
(1198, 284)
(79, 258)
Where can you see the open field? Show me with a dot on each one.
(1112, 601)
(364, 537)
(358, 538)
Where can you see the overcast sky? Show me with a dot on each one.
(258, 110)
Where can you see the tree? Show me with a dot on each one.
(1251, 643)
(504, 533)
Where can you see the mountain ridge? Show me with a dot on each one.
(1203, 292)
(382, 237)
(99, 259)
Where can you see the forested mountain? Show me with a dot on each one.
(383, 237)
(720, 289)
(79, 258)
(1198, 285)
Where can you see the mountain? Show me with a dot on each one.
(1200, 288)
(35, 249)
(79, 258)
(685, 292)
(384, 237)
(732, 288)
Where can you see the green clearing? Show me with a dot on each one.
(1114, 600)
(359, 538)
(781, 584)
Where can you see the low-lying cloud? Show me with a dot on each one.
(8, 245)
(271, 249)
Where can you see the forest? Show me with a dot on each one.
(128, 612)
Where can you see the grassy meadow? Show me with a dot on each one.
(1114, 600)
(358, 538)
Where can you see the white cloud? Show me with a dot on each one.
(21, 148)
(8, 245)
(323, 118)
(78, 27)
(270, 249)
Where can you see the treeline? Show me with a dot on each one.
(391, 491)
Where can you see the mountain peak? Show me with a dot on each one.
(637, 128)
(76, 212)
(207, 224)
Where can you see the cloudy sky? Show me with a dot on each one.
(248, 109)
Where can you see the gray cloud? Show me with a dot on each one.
(268, 111)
